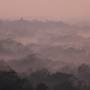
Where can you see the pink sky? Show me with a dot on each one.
(63, 9)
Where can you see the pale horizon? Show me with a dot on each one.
(45, 9)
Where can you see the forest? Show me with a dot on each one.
(44, 80)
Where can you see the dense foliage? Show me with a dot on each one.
(40, 80)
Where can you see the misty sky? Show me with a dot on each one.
(53, 9)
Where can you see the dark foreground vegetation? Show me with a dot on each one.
(40, 80)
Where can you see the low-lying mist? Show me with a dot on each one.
(33, 45)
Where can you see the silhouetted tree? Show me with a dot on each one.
(9, 81)
(26, 84)
(41, 86)
(65, 86)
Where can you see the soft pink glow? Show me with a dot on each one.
(63, 9)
